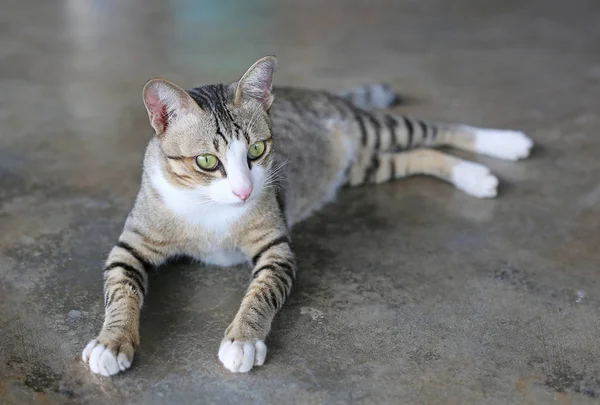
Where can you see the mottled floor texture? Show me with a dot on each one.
(408, 293)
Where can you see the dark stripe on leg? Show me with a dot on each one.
(125, 283)
(113, 323)
(287, 284)
(253, 325)
(392, 168)
(409, 131)
(123, 245)
(287, 269)
(256, 272)
(130, 285)
(131, 272)
(275, 242)
(260, 297)
(109, 300)
(281, 289)
(284, 268)
(116, 309)
(258, 313)
(271, 298)
(372, 169)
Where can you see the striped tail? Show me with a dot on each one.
(382, 132)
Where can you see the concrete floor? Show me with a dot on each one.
(410, 292)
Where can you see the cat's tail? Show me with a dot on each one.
(372, 96)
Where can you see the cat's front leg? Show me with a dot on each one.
(125, 285)
(272, 277)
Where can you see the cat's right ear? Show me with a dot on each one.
(165, 102)
(257, 83)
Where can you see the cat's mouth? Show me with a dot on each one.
(247, 202)
(240, 202)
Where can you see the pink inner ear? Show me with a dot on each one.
(157, 111)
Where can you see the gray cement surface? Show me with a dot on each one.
(408, 293)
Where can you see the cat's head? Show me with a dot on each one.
(215, 141)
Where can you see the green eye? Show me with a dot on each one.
(207, 162)
(255, 151)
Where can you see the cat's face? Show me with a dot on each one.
(221, 151)
(215, 141)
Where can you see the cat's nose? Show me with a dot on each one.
(243, 193)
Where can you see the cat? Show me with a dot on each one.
(232, 167)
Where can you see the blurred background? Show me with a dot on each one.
(410, 292)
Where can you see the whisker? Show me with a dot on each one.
(204, 201)
(278, 168)
(274, 174)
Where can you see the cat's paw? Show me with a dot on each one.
(475, 179)
(108, 357)
(502, 144)
(240, 356)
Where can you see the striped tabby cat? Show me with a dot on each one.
(211, 189)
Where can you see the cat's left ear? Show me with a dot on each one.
(166, 102)
(257, 83)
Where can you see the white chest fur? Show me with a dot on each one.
(192, 207)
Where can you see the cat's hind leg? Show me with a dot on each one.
(473, 178)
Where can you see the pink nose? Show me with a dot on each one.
(243, 194)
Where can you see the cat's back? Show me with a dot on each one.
(311, 147)
(308, 104)
(307, 117)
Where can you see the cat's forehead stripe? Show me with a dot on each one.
(213, 99)
(219, 132)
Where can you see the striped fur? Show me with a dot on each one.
(314, 142)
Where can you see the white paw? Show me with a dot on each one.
(240, 357)
(475, 179)
(509, 145)
(104, 361)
